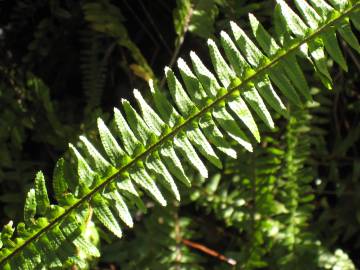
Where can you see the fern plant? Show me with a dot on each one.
(266, 197)
(213, 110)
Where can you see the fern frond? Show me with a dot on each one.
(93, 69)
(211, 111)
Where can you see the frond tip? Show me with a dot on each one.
(207, 114)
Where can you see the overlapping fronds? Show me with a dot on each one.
(244, 198)
(213, 111)
(267, 197)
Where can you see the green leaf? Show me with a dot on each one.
(237, 105)
(322, 8)
(184, 146)
(356, 21)
(86, 246)
(253, 98)
(297, 26)
(189, 153)
(30, 206)
(124, 184)
(59, 182)
(181, 143)
(289, 65)
(130, 142)
(137, 124)
(221, 115)
(192, 84)
(187, 108)
(105, 216)
(112, 149)
(206, 78)
(42, 199)
(86, 174)
(256, 58)
(215, 136)
(348, 35)
(329, 39)
(317, 53)
(97, 161)
(200, 142)
(241, 67)
(174, 164)
(154, 164)
(207, 125)
(333, 48)
(285, 86)
(182, 17)
(227, 122)
(126, 188)
(237, 61)
(251, 53)
(203, 18)
(339, 4)
(152, 119)
(224, 72)
(167, 112)
(181, 99)
(309, 14)
(121, 208)
(144, 180)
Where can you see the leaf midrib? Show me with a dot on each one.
(259, 72)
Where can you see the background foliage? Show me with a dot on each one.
(292, 203)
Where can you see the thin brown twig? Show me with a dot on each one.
(208, 251)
